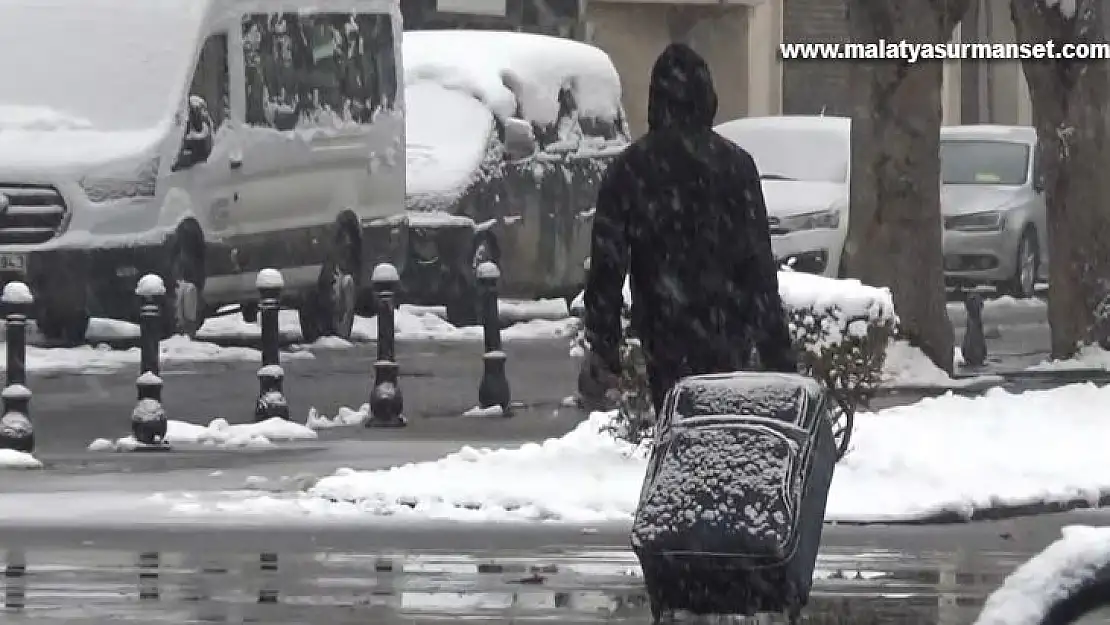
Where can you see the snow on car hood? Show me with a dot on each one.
(966, 199)
(796, 197)
(447, 137)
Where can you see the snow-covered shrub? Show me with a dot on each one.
(840, 330)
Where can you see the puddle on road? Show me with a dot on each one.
(99, 586)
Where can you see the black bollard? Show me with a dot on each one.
(494, 387)
(149, 583)
(271, 377)
(16, 431)
(387, 405)
(148, 419)
(974, 345)
(15, 580)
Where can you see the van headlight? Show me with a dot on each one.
(987, 221)
(826, 219)
(116, 185)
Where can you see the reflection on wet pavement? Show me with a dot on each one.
(99, 586)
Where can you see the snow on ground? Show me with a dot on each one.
(104, 359)
(967, 453)
(907, 366)
(11, 459)
(218, 433)
(1029, 592)
(344, 417)
(543, 319)
(1089, 357)
(1004, 304)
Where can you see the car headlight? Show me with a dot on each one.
(987, 221)
(114, 186)
(826, 219)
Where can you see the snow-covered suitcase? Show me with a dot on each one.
(733, 502)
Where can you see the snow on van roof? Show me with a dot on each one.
(794, 122)
(484, 62)
(994, 132)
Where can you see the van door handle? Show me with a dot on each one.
(236, 162)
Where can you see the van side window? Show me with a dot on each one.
(212, 79)
(319, 69)
(209, 106)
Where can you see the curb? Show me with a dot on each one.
(992, 513)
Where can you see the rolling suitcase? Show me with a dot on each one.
(732, 505)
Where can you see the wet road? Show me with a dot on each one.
(865, 576)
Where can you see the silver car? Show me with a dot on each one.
(992, 202)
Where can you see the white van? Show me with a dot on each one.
(202, 140)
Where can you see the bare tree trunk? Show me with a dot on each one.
(1069, 113)
(894, 237)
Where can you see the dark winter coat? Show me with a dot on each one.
(682, 210)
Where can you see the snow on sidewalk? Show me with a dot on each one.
(103, 359)
(218, 433)
(11, 459)
(542, 319)
(943, 454)
(1089, 358)
(907, 366)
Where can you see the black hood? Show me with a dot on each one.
(681, 93)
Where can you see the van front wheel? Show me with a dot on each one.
(329, 309)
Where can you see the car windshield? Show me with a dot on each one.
(984, 162)
(794, 154)
(94, 64)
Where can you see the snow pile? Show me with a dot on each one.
(500, 67)
(1028, 594)
(1089, 357)
(411, 323)
(344, 417)
(908, 366)
(11, 459)
(962, 458)
(218, 433)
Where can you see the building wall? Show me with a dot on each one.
(810, 87)
(634, 34)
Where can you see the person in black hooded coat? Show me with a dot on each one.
(681, 210)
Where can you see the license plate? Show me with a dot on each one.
(14, 263)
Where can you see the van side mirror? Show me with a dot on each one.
(1039, 183)
(520, 140)
(197, 144)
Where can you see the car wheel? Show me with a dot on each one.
(464, 305)
(1023, 284)
(329, 309)
(184, 309)
(68, 327)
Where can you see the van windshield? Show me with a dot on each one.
(93, 64)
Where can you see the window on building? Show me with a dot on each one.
(318, 69)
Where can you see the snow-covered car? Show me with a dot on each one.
(200, 140)
(993, 203)
(512, 131)
(804, 163)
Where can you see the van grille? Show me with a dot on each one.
(35, 213)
